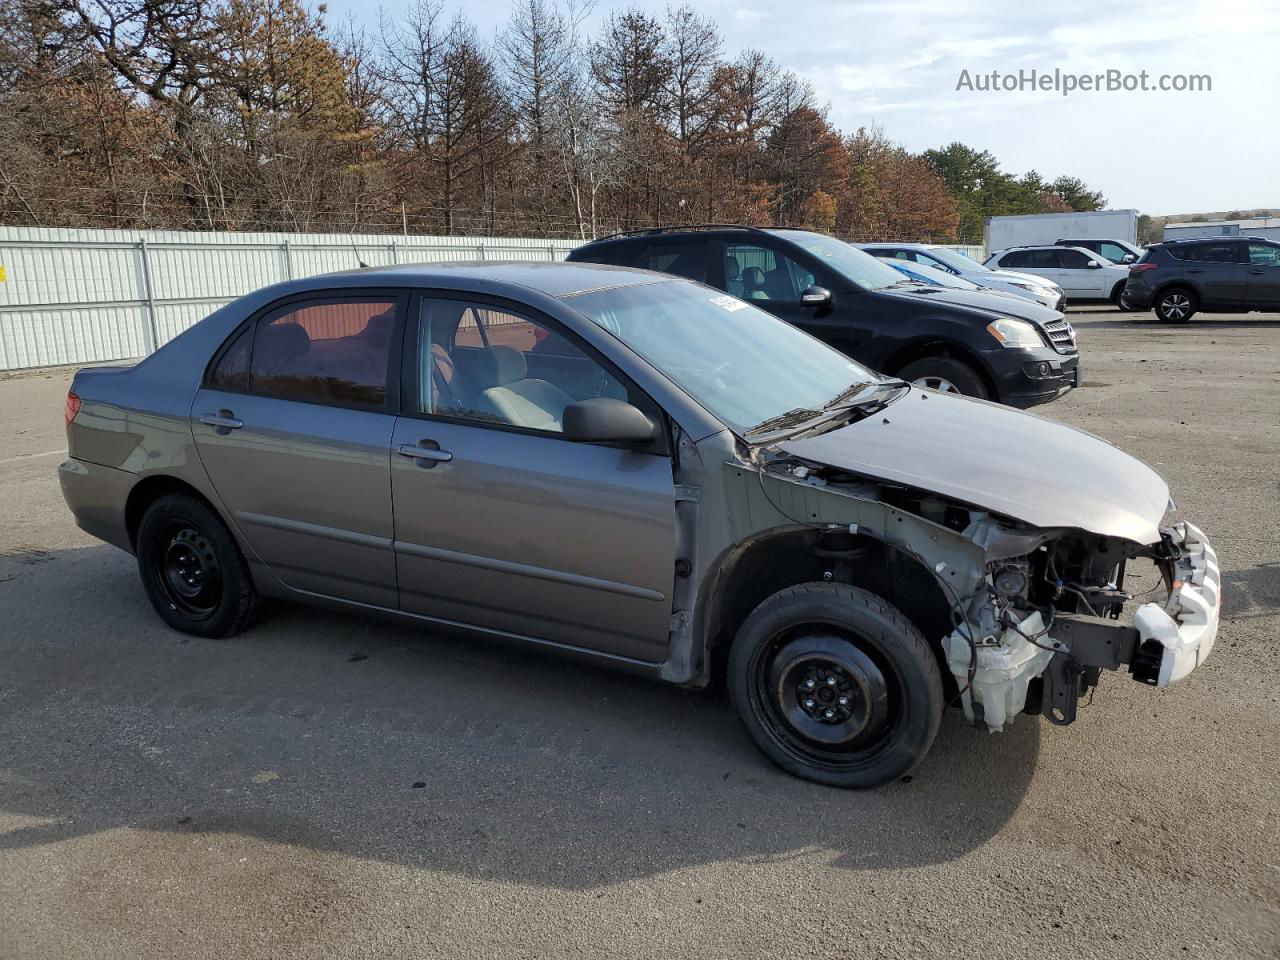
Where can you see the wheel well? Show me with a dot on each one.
(1118, 288)
(148, 491)
(1175, 285)
(807, 556)
(939, 348)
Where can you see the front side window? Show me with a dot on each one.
(743, 365)
(490, 365)
(1114, 252)
(1018, 259)
(325, 351)
(1264, 254)
(1068, 259)
(764, 273)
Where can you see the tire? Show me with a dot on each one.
(946, 376)
(1175, 305)
(1117, 297)
(193, 571)
(800, 640)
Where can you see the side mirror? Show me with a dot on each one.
(606, 420)
(1094, 265)
(816, 297)
(1128, 258)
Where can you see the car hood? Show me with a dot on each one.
(991, 303)
(1024, 466)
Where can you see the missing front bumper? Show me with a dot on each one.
(1164, 643)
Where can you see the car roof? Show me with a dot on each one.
(555, 279)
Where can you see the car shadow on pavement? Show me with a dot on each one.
(336, 733)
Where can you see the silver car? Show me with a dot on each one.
(637, 469)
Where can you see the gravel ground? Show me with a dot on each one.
(330, 786)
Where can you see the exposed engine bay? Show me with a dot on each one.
(1050, 608)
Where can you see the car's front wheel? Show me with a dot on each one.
(192, 569)
(835, 685)
(1175, 305)
(946, 376)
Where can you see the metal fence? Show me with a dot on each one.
(88, 296)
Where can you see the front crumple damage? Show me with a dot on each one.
(1037, 613)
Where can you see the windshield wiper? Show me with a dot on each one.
(783, 420)
(846, 395)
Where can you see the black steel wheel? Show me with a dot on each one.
(835, 685)
(192, 569)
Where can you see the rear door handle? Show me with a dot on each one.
(222, 420)
(1257, 273)
(1194, 270)
(432, 455)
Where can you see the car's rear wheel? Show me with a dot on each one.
(836, 686)
(1175, 305)
(193, 571)
(945, 376)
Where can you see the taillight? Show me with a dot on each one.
(72, 408)
(1140, 267)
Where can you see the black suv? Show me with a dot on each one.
(1220, 274)
(978, 343)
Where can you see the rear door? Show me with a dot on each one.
(293, 425)
(1264, 276)
(500, 522)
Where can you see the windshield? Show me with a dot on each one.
(743, 365)
(955, 259)
(854, 264)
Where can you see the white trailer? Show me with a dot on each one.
(1002, 232)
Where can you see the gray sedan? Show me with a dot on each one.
(640, 470)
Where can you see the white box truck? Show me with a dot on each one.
(1002, 232)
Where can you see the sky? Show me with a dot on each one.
(897, 65)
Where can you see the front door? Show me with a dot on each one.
(1076, 276)
(1264, 276)
(773, 280)
(294, 425)
(500, 522)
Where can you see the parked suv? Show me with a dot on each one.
(1117, 251)
(1085, 275)
(1025, 285)
(954, 341)
(1226, 275)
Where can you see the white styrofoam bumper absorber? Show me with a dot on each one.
(1187, 624)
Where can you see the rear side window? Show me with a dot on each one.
(332, 351)
(687, 259)
(232, 369)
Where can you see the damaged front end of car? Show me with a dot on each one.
(1037, 613)
(1048, 622)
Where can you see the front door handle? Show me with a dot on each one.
(1258, 272)
(1194, 270)
(223, 420)
(427, 456)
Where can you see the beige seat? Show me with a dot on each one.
(511, 397)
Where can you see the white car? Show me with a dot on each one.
(1024, 285)
(1084, 274)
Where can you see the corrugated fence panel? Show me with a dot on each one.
(87, 295)
(44, 337)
